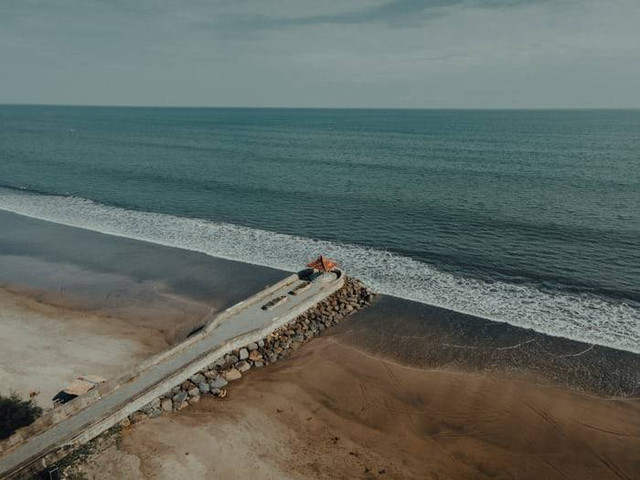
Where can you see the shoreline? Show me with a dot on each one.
(171, 291)
(562, 313)
(456, 389)
(435, 338)
(148, 285)
(251, 274)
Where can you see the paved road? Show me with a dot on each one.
(249, 318)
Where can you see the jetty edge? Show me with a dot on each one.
(219, 353)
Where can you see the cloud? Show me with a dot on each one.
(396, 12)
(364, 53)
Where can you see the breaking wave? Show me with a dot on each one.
(582, 317)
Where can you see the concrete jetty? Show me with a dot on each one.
(56, 433)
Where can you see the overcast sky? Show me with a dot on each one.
(322, 53)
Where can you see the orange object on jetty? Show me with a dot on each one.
(323, 264)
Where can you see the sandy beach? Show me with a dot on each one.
(75, 302)
(44, 348)
(335, 411)
(399, 390)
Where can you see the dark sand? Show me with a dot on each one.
(434, 338)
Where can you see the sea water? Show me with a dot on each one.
(527, 217)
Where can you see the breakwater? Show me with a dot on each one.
(214, 379)
(199, 366)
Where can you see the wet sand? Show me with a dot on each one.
(333, 410)
(434, 338)
(148, 285)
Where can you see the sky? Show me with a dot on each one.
(322, 53)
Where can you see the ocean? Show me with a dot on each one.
(526, 217)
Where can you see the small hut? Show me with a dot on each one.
(80, 386)
(322, 264)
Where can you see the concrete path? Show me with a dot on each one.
(246, 318)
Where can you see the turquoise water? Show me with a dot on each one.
(530, 217)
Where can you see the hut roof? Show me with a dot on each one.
(323, 264)
(83, 384)
(79, 387)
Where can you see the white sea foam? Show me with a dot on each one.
(580, 317)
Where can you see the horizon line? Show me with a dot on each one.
(241, 107)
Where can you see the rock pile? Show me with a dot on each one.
(353, 296)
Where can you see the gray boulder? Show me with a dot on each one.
(151, 406)
(218, 383)
(244, 354)
(156, 412)
(219, 363)
(197, 379)
(180, 397)
(203, 387)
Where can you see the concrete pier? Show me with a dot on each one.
(73, 424)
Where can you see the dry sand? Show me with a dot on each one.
(333, 411)
(45, 347)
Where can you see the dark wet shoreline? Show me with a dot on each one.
(164, 287)
(174, 290)
(430, 337)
